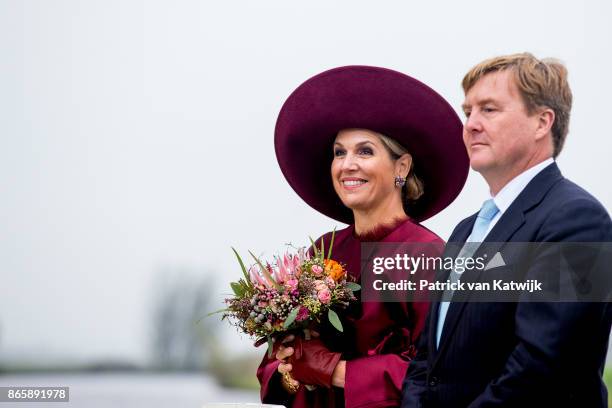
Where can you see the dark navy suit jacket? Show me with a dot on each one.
(520, 354)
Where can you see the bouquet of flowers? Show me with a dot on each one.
(293, 293)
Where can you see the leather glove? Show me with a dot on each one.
(312, 363)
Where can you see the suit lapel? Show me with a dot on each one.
(503, 231)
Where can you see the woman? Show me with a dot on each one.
(396, 157)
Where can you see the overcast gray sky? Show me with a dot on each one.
(138, 135)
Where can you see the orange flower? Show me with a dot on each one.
(334, 270)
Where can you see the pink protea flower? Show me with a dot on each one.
(324, 296)
(279, 273)
(294, 264)
(258, 279)
(282, 272)
(288, 264)
(287, 267)
(317, 270)
(273, 273)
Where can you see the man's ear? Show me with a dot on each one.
(403, 164)
(546, 118)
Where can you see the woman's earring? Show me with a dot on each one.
(400, 181)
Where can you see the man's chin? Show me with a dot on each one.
(480, 165)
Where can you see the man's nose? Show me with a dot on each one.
(473, 123)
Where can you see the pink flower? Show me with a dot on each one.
(291, 284)
(324, 296)
(287, 267)
(257, 278)
(320, 285)
(330, 282)
(279, 273)
(302, 314)
(317, 270)
(282, 270)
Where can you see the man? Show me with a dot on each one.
(520, 354)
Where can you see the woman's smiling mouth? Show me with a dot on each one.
(352, 183)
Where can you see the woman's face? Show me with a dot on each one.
(363, 172)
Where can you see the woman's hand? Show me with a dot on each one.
(284, 368)
(339, 374)
(314, 364)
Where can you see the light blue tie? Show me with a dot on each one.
(486, 214)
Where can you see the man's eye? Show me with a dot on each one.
(467, 113)
(339, 152)
(488, 109)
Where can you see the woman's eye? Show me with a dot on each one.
(339, 152)
(366, 151)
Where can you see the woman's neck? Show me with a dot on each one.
(366, 221)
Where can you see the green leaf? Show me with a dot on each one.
(237, 288)
(352, 286)
(334, 320)
(265, 271)
(244, 270)
(213, 313)
(246, 288)
(329, 252)
(270, 347)
(291, 317)
(322, 252)
(314, 248)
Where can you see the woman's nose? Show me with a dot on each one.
(349, 162)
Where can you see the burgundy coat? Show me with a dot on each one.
(378, 339)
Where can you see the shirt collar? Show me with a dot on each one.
(508, 194)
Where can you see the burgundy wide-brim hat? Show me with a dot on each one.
(381, 100)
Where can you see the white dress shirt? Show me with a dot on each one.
(511, 191)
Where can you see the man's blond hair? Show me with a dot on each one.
(541, 83)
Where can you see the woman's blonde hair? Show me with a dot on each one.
(413, 189)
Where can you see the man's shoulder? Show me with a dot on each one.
(565, 193)
(549, 190)
(569, 213)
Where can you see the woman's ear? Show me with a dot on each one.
(403, 165)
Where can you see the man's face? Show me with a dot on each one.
(498, 133)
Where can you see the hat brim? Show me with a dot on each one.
(380, 100)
